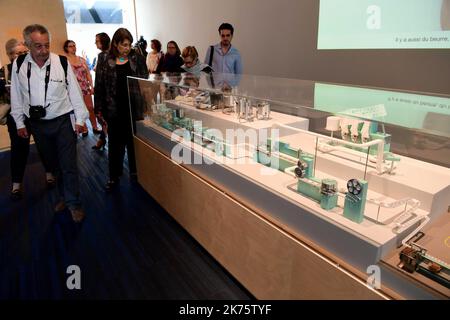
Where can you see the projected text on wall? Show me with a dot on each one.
(384, 24)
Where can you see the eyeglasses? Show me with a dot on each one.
(171, 47)
(71, 46)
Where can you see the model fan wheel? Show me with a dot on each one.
(354, 187)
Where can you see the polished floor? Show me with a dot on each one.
(128, 247)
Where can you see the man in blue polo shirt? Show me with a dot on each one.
(224, 58)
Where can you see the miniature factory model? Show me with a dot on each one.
(364, 142)
(350, 178)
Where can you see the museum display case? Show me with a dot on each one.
(281, 178)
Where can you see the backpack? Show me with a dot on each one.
(62, 59)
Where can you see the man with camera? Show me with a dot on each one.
(47, 93)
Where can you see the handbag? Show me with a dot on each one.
(4, 111)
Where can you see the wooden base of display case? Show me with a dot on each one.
(268, 261)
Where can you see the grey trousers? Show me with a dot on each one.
(57, 142)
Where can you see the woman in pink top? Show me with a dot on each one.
(155, 56)
(81, 71)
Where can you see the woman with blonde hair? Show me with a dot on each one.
(191, 62)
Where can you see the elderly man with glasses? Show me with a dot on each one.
(46, 93)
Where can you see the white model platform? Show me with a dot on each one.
(274, 191)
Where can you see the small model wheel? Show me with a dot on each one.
(299, 173)
(354, 187)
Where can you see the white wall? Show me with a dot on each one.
(16, 15)
(278, 38)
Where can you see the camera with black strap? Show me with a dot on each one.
(38, 112)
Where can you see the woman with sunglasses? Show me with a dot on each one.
(191, 62)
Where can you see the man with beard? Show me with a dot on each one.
(223, 57)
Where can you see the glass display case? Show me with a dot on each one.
(355, 171)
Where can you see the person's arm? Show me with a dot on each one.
(86, 59)
(147, 61)
(159, 68)
(17, 103)
(89, 77)
(99, 85)
(76, 98)
(238, 65)
(180, 62)
(4, 73)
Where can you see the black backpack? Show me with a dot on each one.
(62, 59)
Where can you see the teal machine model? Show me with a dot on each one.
(280, 156)
(355, 200)
(359, 132)
(174, 118)
(364, 131)
(273, 155)
(323, 191)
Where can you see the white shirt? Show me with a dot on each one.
(61, 100)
